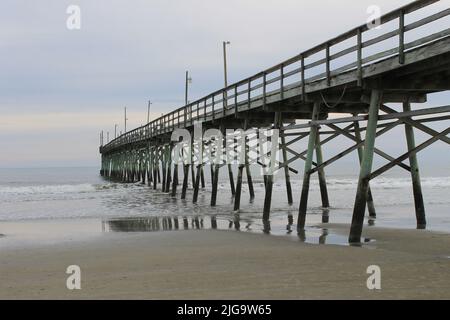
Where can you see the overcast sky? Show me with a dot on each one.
(60, 87)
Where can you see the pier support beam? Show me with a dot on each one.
(237, 197)
(306, 174)
(285, 160)
(268, 197)
(230, 168)
(192, 151)
(215, 185)
(185, 180)
(370, 205)
(155, 167)
(271, 172)
(197, 183)
(248, 172)
(415, 176)
(321, 173)
(366, 168)
(169, 168)
(149, 167)
(164, 168)
(175, 180)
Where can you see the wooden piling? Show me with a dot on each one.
(285, 160)
(169, 168)
(155, 168)
(366, 168)
(370, 205)
(321, 173)
(215, 185)
(202, 178)
(164, 168)
(308, 164)
(237, 197)
(230, 168)
(415, 176)
(197, 183)
(175, 180)
(247, 168)
(269, 176)
(185, 180)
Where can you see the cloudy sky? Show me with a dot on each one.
(60, 87)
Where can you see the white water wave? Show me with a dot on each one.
(48, 189)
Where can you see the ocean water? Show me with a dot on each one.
(57, 194)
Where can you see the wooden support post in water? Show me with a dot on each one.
(308, 164)
(285, 160)
(321, 173)
(268, 197)
(155, 168)
(251, 190)
(415, 176)
(247, 166)
(143, 163)
(197, 183)
(215, 178)
(230, 169)
(185, 180)
(237, 197)
(175, 180)
(164, 168)
(169, 168)
(192, 150)
(366, 168)
(202, 178)
(158, 172)
(150, 167)
(199, 171)
(158, 153)
(215, 185)
(370, 205)
(269, 176)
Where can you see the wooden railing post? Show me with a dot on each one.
(303, 77)
(359, 56)
(235, 101)
(401, 37)
(224, 101)
(264, 90)
(213, 111)
(282, 81)
(327, 53)
(249, 91)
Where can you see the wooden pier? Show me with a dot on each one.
(355, 94)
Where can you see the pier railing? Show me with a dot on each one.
(297, 73)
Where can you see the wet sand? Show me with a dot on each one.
(207, 264)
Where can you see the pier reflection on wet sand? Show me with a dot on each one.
(315, 235)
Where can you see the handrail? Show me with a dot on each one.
(218, 102)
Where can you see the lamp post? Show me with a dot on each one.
(148, 111)
(125, 130)
(188, 81)
(225, 43)
(225, 76)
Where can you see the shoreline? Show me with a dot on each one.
(218, 264)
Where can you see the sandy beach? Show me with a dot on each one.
(207, 264)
